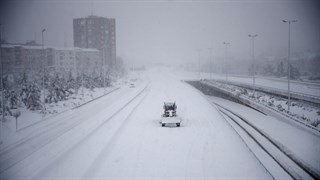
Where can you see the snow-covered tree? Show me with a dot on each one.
(294, 72)
(33, 95)
(56, 89)
(280, 70)
(268, 70)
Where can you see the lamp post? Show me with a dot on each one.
(288, 64)
(43, 72)
(82, 74)
(226, 63)
(2, 94)
(253, 63)
(199, 68)
(210, 50)
(104, 70)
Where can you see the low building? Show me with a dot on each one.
(89, 61)
(19, 58)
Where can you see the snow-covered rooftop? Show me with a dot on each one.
(46, 47)
(22, 46)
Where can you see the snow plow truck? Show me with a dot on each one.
(170, 114)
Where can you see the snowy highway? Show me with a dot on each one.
(159, 90)
(132, 144)
(298, 160)
(309, 89)
(303, 89)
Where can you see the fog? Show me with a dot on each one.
(172, 31)
(159, 89)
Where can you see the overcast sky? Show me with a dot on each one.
(153, 31)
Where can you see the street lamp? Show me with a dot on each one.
(288, 68)
(2, 90)
(82, 75)
(210, 50)
(104, 69)
(43, 73)
(253, 64)
(226, 64)
(199, 50)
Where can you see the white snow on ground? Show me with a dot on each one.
(204, 147)
(29, 118)
(50, 139)
(303, 144)
(132, 144)
(312, 89)
(301, 111)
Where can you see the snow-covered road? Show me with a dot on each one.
(302, 142)
(132, 144)
(298, 87)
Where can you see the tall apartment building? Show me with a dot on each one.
(98, 33)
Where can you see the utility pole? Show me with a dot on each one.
(226, 61)
(288, 64)
(43, 72)
(253, 63)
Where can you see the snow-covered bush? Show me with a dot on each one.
(271, 103)
(280, 108)
(315, 123)
(244, 92)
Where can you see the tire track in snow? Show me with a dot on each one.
(12, 155)
(209, 102)
(60, 116)
(295, 168)
(54, 157)
(138, 157)
(107, 148)
(200, 134)
(190, 150)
